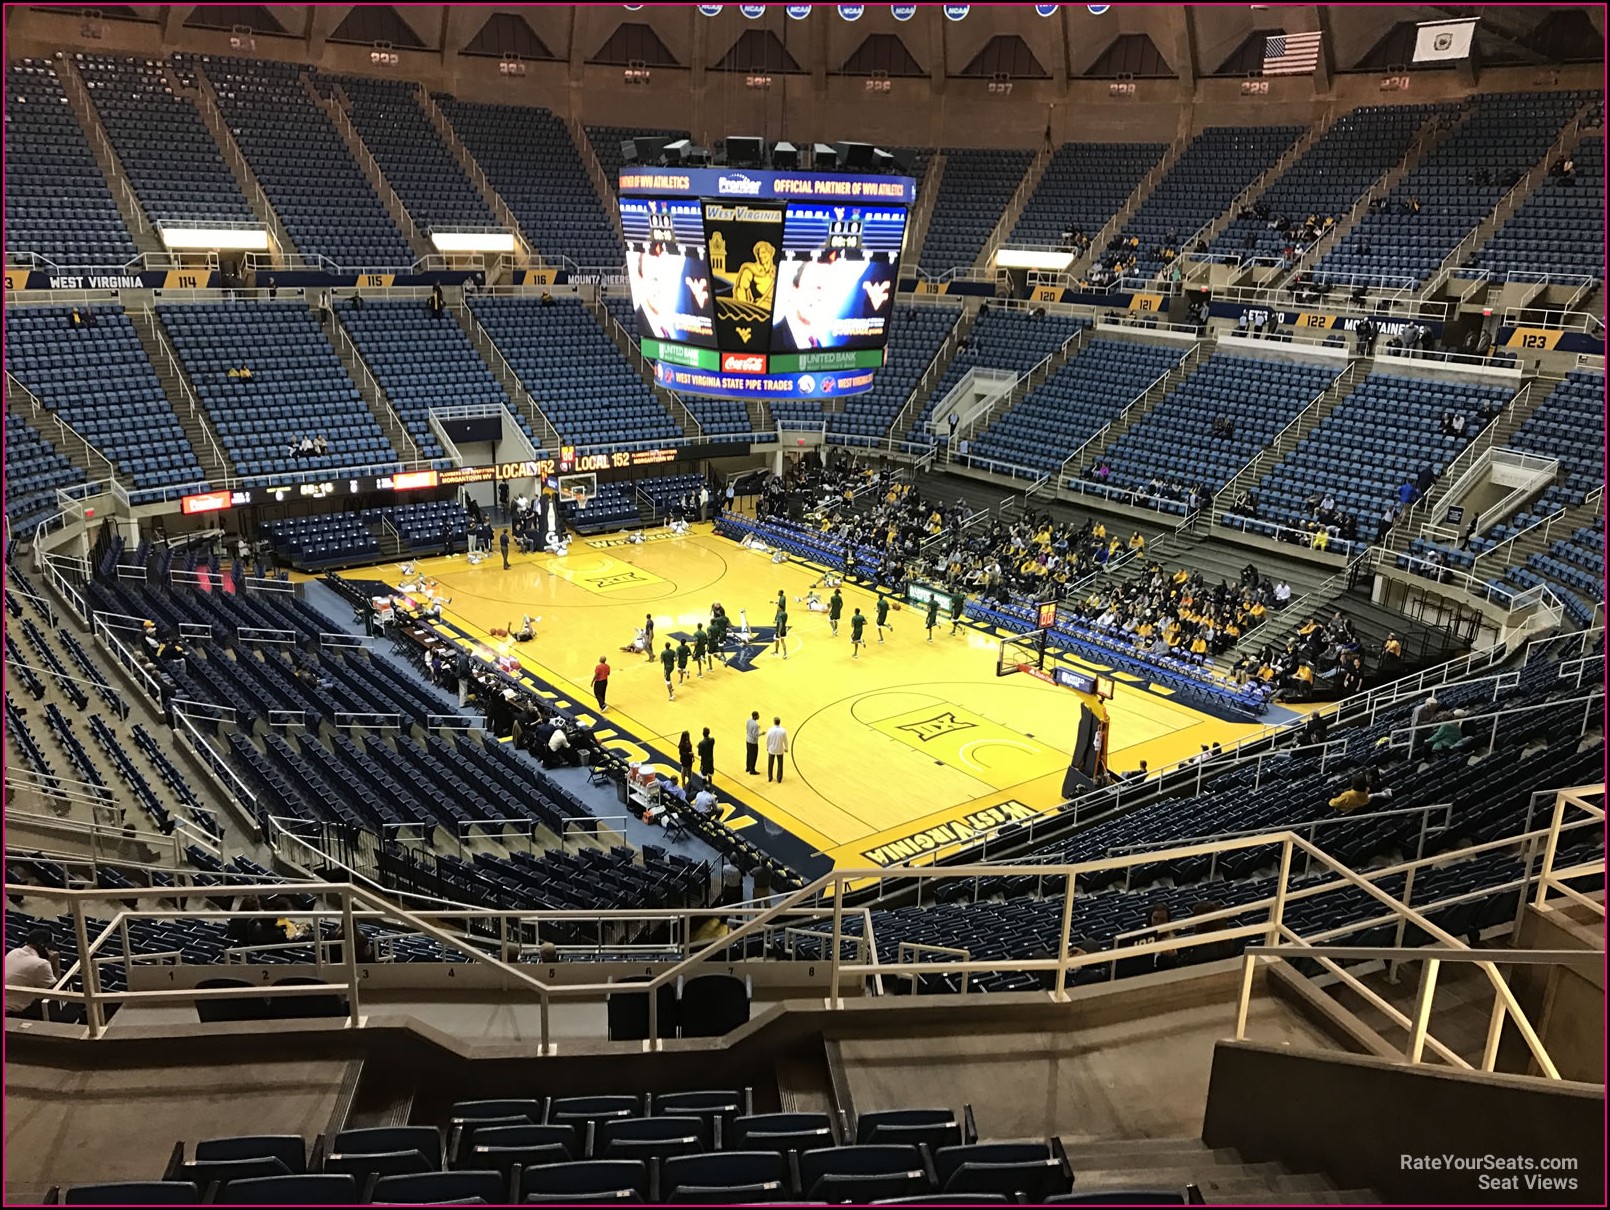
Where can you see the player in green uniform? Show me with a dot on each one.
(933, 616)
(780, 642)
(957, 604)
(857, 627)
(883, 616)
(683, 653)
(835, 610)
(668, 661)
(718, 635)
(701, 642)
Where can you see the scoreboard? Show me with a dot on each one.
(763, 284)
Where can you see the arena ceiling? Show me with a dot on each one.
(1187, 41)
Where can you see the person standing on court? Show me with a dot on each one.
(707, 757)
(957, 604)
(752, 742)
(683, 652)
(503, 545)
(701, 644)
(601, 682)
(684, 752)
(648, 636)
(933, 616)
(776, 749)
(780, 643)
(857, 629)
(668, 661)
(883, 616)
(835, 610)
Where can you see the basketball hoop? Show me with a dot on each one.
(579, 496)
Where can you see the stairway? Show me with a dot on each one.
(176, 385)
(1431, 136)
(1288, 438)
(504, 373)
(1014, 208)
(402, 441)
(473, 170)
(1506, 206)
(1213, 229)
(1028, 384)
(1137, 197)
(207, 105)
(61, 437)
(595, 173)
(146, 240)
(335, 108)
(1105, 1165)
(912, 408)
(927, 197)
(1088, 454)
(1535, 540)
(623, 340)
(1494, 436)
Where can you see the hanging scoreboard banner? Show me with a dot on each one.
(744, 239)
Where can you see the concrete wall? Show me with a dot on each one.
(818, 104)
(1364, 1122)
(1566, 1006)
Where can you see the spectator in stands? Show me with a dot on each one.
(75, 320)
(1314, 730)
(559, 749)
(304, 448)
(1358, 794)
(320, 445)
(438, 304)
(273, 287)
(357, 301)
(705, 802)
(1447, 423)
(1282, 595)
(32, 964)
(548, 953)
(1158, 917)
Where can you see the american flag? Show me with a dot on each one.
(1290, 54)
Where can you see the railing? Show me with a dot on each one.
(488, 348)
(51, 570)
(1553, 881)
(1276, 447)
(182, 378)
(1408, 738)
(126, 659)
(102, 841)
(821, 902)
(184, 729)
(97, 464)
(375, 393)
(1014, 207)
(1074, 462)
(334, 107)
(1539, 472)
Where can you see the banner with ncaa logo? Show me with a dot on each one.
(710, 10)
(957, 12)
(798, 11)
(851, 12)
(903, 12)
(752, 11)
(1097, 9)
(1047, 10)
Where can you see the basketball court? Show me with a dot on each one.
(909, 747)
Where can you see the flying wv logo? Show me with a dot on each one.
(744, 334)
(736, 654)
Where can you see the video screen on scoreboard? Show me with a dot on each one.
(836, 285)
(745, 240)
(667, 270)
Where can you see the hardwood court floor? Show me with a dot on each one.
(911, 738)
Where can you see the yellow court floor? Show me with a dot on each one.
(892, 753)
